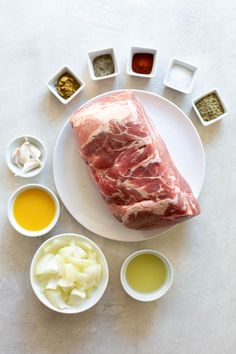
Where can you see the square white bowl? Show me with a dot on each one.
(206, 123)
(135, 50)
(185, 65)
(97, 53)
(51, 85)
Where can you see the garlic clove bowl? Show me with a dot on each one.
(13, 156)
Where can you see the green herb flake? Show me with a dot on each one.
(210, 107)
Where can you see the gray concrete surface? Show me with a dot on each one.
(198, 315)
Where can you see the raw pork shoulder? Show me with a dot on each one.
(130, 163)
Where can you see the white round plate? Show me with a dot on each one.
(80, 194)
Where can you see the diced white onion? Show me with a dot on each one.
(42, 266)
(65, 283)
(55, 245)
(77, 250)
(82, 279)
(68, 272)
(76, 297)
(52, 283)
(55, 297)
(85, 245)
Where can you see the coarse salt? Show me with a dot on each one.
(180, 76)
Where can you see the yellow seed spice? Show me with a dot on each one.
(67, 85)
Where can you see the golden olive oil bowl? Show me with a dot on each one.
(27, 231)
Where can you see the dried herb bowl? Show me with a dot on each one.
(200, 114)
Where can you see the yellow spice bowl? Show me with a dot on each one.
(17, 226)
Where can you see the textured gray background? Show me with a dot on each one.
(198, 315)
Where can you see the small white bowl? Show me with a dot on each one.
(14, 223)
(51, 85)
(206, 123)
(97, 53)
(96, 295)
(135, 50)
(17, 142)
(167, 81)
(146, 297)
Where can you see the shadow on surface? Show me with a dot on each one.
(136, 82)
(209, 134)
(176, 97)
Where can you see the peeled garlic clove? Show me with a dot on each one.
(24, 153)
(34, 151)
(31, 165)
(14, 157)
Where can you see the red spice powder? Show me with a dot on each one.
(142, 63)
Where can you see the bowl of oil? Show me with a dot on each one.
(33, 210)
(146, 275)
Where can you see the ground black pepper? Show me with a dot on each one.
(103, 65)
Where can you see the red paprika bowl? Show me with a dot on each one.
(142, 62)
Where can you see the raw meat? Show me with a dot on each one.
(130, 163)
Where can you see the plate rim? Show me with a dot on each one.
(142, 92)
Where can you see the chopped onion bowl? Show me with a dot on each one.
(69, 273)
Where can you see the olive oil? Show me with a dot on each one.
(146, 273)
(34, 209)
